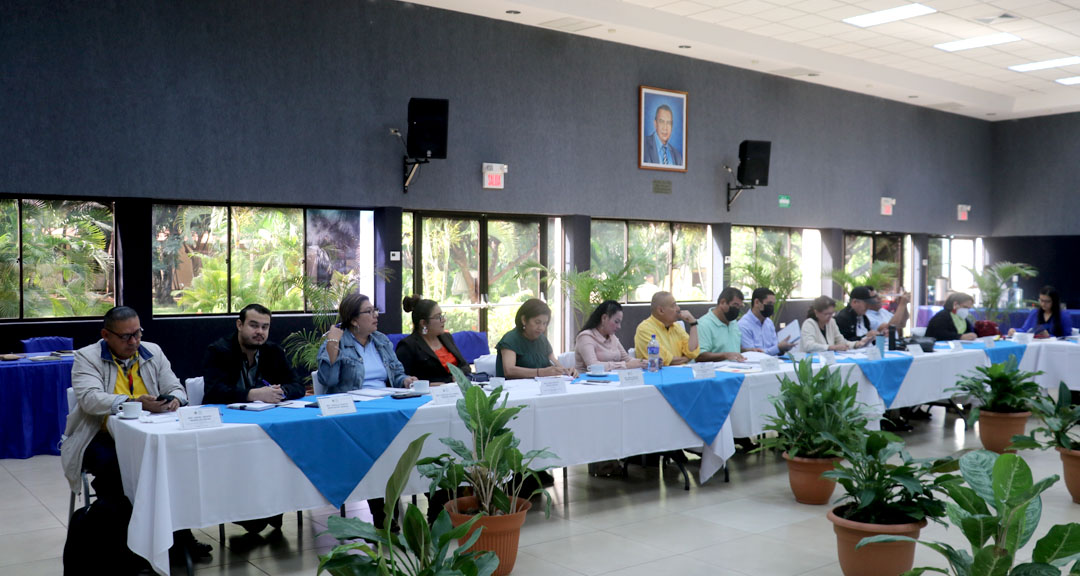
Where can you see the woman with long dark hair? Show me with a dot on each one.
(1047, 319)
(597, 342)
(429, 350)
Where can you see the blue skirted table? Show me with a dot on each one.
(33, 406)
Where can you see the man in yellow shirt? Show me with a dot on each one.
(677, 346)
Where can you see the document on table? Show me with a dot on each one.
(373, 392)
(738, 367)
(294, 404)
(252, 406)
(791, 332)
(755, 356)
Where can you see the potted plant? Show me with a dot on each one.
(998, 512)
(993, 283)
(1001, 393)
(884, 496)
(812, 412)
(495, 469)
(1059, 419)
(418, 550)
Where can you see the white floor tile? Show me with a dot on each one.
(595, 552)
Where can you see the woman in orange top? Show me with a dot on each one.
(429, 349)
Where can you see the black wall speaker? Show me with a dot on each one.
(427, 127)
(754, 162)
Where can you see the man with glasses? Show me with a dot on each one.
(118, 368)
(246, 366)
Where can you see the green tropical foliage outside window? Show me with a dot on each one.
(667, 256)
(68, 255)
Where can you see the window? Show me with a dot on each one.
(218, 259)
(57, 258)
(864, 254)
(756, 252)
(669, 256)
(949, 267)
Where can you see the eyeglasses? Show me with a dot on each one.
(372, 311)
(137, 335)
(440, 318)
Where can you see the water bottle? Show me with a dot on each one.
(654, 354)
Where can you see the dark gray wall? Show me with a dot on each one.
(280, 101)
(1037, 177)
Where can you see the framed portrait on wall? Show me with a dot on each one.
(661, 129)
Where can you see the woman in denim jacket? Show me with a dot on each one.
(355, 355)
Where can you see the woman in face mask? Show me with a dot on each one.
(954, 322)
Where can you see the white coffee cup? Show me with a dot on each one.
(596, 369)
(131, 409)
(421, 386)
(1024, 338)
(496, 381)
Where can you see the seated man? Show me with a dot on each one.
(758, 331)
(246, 367)
(880, 318)
(116, 369)
(718, 331)
(677, 346)
(852, 320)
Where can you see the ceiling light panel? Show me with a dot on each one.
(1071, 81)
(1055, 63)
(890, 15)
(978, 42)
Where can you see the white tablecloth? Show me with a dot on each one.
(1060, 362)
(190, 479)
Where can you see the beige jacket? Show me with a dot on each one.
(93, 377)
(813, 340)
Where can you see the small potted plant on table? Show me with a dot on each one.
(1001, 393)
(813, 412)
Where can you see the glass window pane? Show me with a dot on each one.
(340, 253)
(962, 259)
(267, 258)
(650, 247)
(810, 262)
(607, 246)
(451, 269)
(68, 252)
(555, 299)
(691, 264)
(937, 273)
(889, 248)
(406, 265)
(742, 256)
(9, 259)
(857, 254)
(510, 245)
(189, 252)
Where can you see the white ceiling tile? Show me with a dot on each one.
(772, 30)
(799, 36)
(780, 14)
(833, 29)
(1015, 4)
(714, 16)
(1061, 18)
(1045, 9)
(750, 7)
(684, 8)
(649, 3)
(845, 48)
(976, 10)
(817, 6)
(841, 12)
(949, 5)
(856, 35)
(808, 21)
(866, 53)
(820, 42)
(875, 5)
(951, 25)
(717, 3)
(880, 41)
(1018, 27)
(745, 23)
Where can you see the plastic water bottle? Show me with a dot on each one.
(654, 354)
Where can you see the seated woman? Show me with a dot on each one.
(597, 342)
(820, 332)
(952, 322)
(355, 355)
(428, 351)
(524, 352)
(1048, 319)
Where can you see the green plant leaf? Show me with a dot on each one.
(991, 561)
(486, 564)
(1062, 541)
(414, 529)
(395, 485)
(976, 468)
(1011, 477)
(979, 529)
(966, 498)
(1021, 525)
(1035, 569)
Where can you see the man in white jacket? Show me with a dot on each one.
(116, 369)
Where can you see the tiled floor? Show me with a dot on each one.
(646, 525)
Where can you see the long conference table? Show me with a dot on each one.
(33, 404)
(191, 479)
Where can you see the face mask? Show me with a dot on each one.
(963, 313)
(732, 313)
(767, 311)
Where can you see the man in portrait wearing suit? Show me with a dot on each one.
(658, 147)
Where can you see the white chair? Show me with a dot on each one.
(72, 402)
(485, 363)
(195, 388)
(317, 386)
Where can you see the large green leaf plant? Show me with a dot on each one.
(418, 550)
(1059, 421)
(998, 512)
(994, 281)
(1001, 387)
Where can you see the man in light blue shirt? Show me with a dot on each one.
(758, 331)
(658, 146)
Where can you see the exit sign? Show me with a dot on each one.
(493, 180)
(962, 212)
(785, 201)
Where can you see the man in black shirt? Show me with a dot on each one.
(852, 320)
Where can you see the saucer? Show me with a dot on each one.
(123, 417)
(597, 373)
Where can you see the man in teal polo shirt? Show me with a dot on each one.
(718, 332)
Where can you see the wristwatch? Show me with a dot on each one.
(692, 324)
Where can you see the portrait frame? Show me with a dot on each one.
(650, 101)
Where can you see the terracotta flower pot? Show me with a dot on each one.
(1070, 463)
(500, 533)
(804, 475)
(880, 559)
(996, 429)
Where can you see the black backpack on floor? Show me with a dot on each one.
(97, 540)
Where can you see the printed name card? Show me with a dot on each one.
(447, 394)
(703, 371)
(956, 345)
(632, 377)
(873, 353)
(770, 364)
(914, 350)
(199, 417)
(989, 341)
(552, 387)
(337, 404)
(829, 357)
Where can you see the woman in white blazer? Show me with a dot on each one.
(819, 331)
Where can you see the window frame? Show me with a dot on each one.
(671, 224)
